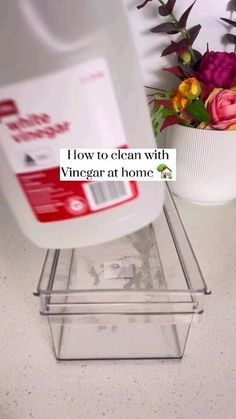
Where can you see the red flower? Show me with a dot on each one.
(217, 69)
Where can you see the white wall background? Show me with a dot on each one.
(205, 12)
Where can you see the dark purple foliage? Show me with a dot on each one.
(231, 5)
(193, 32)
(143, 4)
(167, 27)
(170, 120)
(177, 47)
(167, 9)
(177, 71)
(229, 21)
(231, 38)
(184, 18)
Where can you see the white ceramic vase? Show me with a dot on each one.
(206, 164)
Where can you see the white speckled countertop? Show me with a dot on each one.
(202, 385)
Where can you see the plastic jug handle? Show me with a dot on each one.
(42, 32)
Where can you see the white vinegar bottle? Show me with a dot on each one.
(70, 78)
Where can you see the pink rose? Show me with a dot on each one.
(221, 104)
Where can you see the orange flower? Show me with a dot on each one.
(190, 88)
(179, 102)
(232, 127)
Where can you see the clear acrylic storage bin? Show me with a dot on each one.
(135, 297)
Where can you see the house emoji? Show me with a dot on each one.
(166, 173)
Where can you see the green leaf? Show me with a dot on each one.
(198, 111)
(163, 96)
(157, 121)
(166, 112)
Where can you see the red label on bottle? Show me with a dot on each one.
(52, 200)
(75, 108)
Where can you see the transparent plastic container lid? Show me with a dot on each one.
(153, 270)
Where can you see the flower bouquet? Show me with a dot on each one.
(206, 94)
(200, 113)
